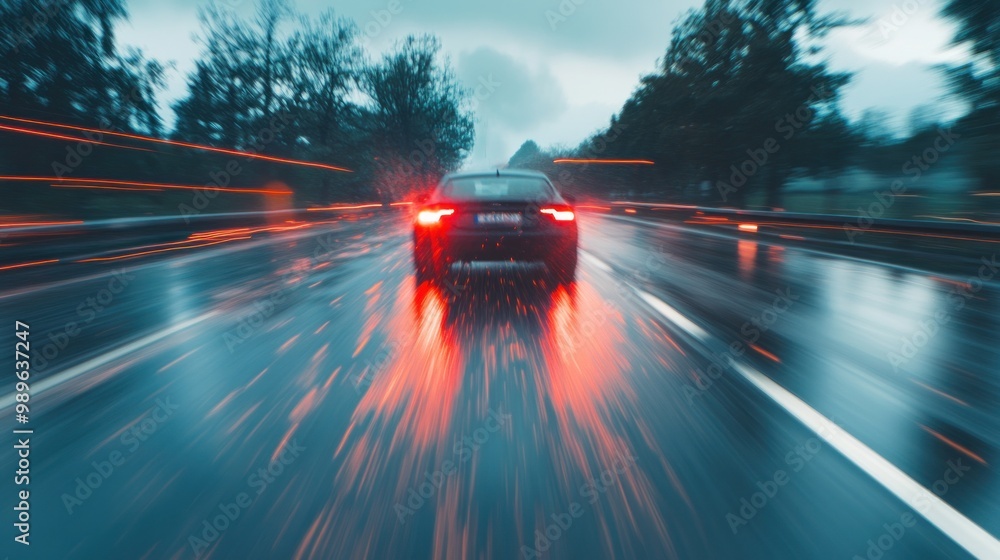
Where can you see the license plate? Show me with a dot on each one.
(499, 219)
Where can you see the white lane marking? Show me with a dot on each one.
(595, 261)
(950, 521)
(669, 312)
(673, 315)
(973, 538)
(106, 358)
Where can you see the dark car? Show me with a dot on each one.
(502, 216)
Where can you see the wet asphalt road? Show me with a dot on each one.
(297, 396)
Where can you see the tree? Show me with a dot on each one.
(59, 61)
(739, 82)
(272, 82)
(874, 128)
(922, 118)
(327, 67)
(241, 82)
(529, 153)
(827, 148)
(978, 83)
(416, 117)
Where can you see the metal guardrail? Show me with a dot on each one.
(55, 241)
(847, 223)
(186, 222)
(62, 240)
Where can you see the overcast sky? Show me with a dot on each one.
(557, 81)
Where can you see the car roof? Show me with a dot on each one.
(496, 173)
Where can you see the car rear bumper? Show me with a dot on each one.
(457, 245)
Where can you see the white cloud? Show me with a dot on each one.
(901, 34)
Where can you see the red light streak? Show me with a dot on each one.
(955, 446)
(150, 189)
(941, 393)
(712, 219)
(201, 236)
(765, 353)
(949, 281)
(70, 138)
(38, 224)
(174, 143)
(134, 255)
(356, 207)
(674, 207)
(747, 251)
(25, 265)
(104, 182)
(197, 240)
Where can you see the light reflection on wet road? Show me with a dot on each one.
(500, 416)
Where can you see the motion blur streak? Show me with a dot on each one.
(958, 447)
(239, 232)
(399, 431)
(707, 220)
(605, 161)
(14, 224)
(250, 155)
(497, 414)
(105, 188)
(269, 192)
(947, 219)
(25, 265)
(153, 252)
(70, 138)
(347, 207)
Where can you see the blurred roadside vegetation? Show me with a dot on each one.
(742, 112)
(273, 83)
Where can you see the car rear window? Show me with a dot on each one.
(497, 188)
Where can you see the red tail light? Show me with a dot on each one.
(433, 216)
(559, 213)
